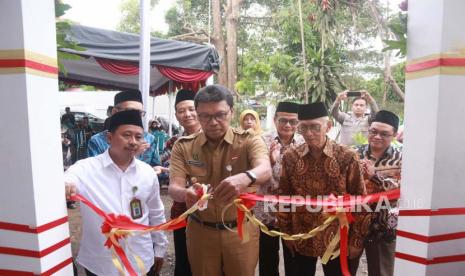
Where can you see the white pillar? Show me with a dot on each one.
(34, 235)
(144, 56)
(433, 162)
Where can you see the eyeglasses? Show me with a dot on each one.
(382, 134)
(219, 117)
(314, 128)
(142, 112)
(284, 121)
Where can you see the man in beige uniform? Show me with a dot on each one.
(232, 161)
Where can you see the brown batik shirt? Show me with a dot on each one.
(271, 187)
(336, 171)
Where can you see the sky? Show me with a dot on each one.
(105, 14)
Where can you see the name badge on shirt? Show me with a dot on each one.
(195, 163)
(135, 205)
(136, 208)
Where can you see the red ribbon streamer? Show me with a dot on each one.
(112, 221)
(331, 201)
(344, 232)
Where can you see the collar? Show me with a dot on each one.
(107, 161)
(184, 133)
(387, 153)
(328, 149)
(276, 137)
(228, 137)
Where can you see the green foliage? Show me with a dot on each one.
(359, 139)
(60, 8)
(62, 29)
(324, 77)
(130, 19)
(398, 26)
(269, 53)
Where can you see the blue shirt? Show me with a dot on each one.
(161, 137)
(98, 144)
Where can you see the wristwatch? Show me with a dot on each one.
(252, 176)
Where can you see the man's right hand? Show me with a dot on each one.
(342, 96)
(275, 151)
(292, 246)
(70, 190)
(192, 195)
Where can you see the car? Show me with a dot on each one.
(96, 123)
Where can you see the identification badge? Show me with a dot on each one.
(135, 205)
(196, 163)
(136, 208)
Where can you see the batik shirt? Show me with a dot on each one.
(337, 171)
(387, 177)
(271, 186)
(98, 144)
(177, 208)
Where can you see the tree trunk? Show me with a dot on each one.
(396, 88)
(384, 34)
(387, 74)
(218, 40)
(304, 56)
(232, 22)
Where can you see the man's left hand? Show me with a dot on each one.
(231, 187)
(158, 265)
(366, 95)
(159, 169)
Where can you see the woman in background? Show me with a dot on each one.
(249, 119)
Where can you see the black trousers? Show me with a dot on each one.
(181, 266)
(300, 265)
(268, 258)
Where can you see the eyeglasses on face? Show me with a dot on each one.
(219, 117)
(314, 128)
(382, 134)
(284, 121)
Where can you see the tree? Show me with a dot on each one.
(218, 41)
(385, 34)
(62, 28)
(130, 20)
(232, 22)
(269, 45)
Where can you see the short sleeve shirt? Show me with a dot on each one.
(192, 157)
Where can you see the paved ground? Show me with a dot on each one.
(168, 267)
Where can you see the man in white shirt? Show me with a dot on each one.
(118, 183)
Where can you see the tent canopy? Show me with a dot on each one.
(111, 60)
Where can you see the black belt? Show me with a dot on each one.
(217, 226)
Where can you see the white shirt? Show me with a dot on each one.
(103, 183)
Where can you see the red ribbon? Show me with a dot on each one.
(112, 221)
(122, 222)
(344, 233)
(331, 201)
